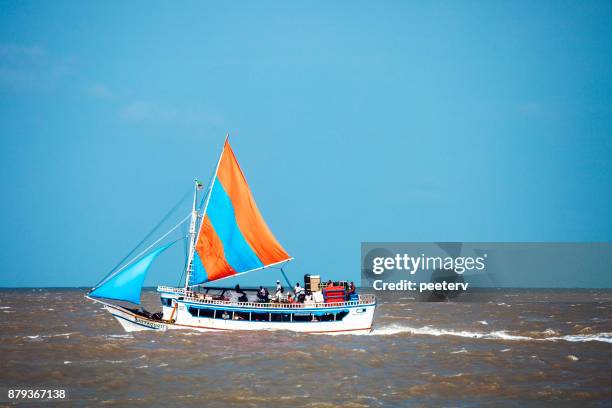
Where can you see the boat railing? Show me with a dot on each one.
(171, 289)
(363, 300)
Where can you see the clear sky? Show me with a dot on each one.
(353, 121)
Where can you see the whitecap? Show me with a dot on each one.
(483, 322)
(60, 334)
(579, 338)
(494, 335)
(119, 336)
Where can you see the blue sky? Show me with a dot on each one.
(353, 121)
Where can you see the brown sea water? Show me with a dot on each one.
(516, 348)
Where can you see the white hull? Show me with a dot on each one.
(357, 319)
(132, 322)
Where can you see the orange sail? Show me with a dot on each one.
(233, 236)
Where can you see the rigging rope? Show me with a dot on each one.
(107, 277)
(172, 210)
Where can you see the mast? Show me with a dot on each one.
(192, 234)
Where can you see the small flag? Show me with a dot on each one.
(199, 184)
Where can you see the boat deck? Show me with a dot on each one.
(194, 297)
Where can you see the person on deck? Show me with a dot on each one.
(279, 291)
(299, 292)
(243, 297)
(262, 294)
(329, 283)
(352, 290)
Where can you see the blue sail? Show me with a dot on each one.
(127, 284)
(198, 273)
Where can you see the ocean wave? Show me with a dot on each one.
(61, 334)
(494, 335)
(605, 337)
(46, 336)
(118, 336)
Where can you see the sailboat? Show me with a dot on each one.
(228, 237)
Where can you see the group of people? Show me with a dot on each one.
(299, 295)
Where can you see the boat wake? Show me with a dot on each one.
(493, 335)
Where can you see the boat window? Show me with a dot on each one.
(241, 316)
(281, 317)
(303, 317)
(260, 317)
(224, 315)
(327, 317)
(341, 315)
(207, 313)
(166, 301)
(193, 311)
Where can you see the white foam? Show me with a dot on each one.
(604, 337)
(119, 336)
(45, 336)
(494, 335)
(60, 334)
(5, 307)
